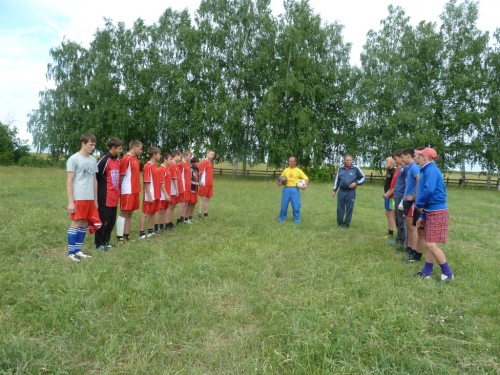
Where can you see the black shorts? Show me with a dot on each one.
(406, 207)
(416, 216)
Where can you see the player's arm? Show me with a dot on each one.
(146, 186)
(69, 189)
(361, 178)
(388, 193)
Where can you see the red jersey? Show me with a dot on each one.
(186, 176)
(393, 182)
(180, 177)
(108, 181)
(206, 173)
(165, 178)
(174, 172)
(129, 170)
(149, 175)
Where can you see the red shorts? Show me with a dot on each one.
(177, 200)
(163, 205)
(436, 226)
(129, 202)
(193, 198)
(83, 210)
(150, 208)
(206, 191)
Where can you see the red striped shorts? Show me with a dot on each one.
(436, 226)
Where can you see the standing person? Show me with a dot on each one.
(399, 191)
(152, 192)
(206, 170)
(291, 192)
(390, 165)
(434, 216)
(108, 193)
(81, 187)
(164, 175)
(185, 180)
(412, 177)
(174, 188)
(193, 197)
(348, 178)
(130, 190)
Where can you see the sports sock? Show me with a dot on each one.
(206, 214)
(120, 225)
(413, 252)
(418, 256)
(141, 233)
(126, 236)
(156, 227)
(390, 232)
(150, 231)
(427, 270)
(72, 236)
(162, 226)
(445, 269)
(80, 237)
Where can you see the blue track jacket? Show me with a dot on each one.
(346, 177)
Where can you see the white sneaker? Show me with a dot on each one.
(74, 257)
(445, 278)
(187, 221)
(83, 255)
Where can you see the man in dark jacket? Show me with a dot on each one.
(348, 178)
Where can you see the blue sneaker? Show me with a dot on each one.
(101, 248)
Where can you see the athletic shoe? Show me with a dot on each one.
(121, 241)
(391, 242)
(187, 221)
(422, 276)
(110, 245)
(446, 279)
(83, 255)
(101, 248)
(74, 257)
(412, 259)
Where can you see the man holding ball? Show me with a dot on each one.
(291, 193)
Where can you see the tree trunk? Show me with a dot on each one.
(462, 170)
(489, 175)
(235, 165)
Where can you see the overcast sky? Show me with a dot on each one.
(29, 28)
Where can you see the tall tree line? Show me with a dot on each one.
(257, 87)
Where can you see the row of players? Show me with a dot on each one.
(175, 182)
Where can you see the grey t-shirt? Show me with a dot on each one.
(84, 169)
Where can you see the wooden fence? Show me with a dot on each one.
(473, 182)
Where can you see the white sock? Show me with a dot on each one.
(120, 224)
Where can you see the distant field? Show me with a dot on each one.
(240, 294)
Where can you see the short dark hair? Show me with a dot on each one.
(87, 137)
(346, 155)
(195, 160)
(114, 142)
(408, 151)
(165, 156)
(134, 143)
(187, 152)
(153, 151)
(176, 153)
(396, 153)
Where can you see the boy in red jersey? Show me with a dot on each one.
(108, 192)
(185, 172)
(164, 173)
(193, 196)
(130, 190)
(81, 186)
(206, 182)
(152, 192)
(174, 188)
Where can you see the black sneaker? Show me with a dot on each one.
(422, 276)
(413, 259)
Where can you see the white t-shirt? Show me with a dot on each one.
(84, 169)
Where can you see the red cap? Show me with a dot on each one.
(429, 152)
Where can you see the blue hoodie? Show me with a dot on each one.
(431, 194)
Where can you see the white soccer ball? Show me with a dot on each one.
(301, 183)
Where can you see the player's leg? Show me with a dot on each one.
(285, 199)
(349, 206)
(296, 204)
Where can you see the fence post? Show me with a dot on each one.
(371, 177)
(447, 181)
(220, 172)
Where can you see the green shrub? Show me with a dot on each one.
(325, 173)
(6, 158)
(32, 161)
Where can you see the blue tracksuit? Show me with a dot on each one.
(431, 194)
(346, 195)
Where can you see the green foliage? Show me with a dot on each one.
(6, 158)
(33, 161)
(239, 294)
(12, 149)
(325, 173)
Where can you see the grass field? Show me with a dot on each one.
(240, 294)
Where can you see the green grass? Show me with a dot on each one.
(240, 294)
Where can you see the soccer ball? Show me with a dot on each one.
(301, 183)
(282, 179)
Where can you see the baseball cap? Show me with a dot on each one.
(429, 152)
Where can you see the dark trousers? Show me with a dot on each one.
(108, 218)
(345, 206)
(400, 222)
